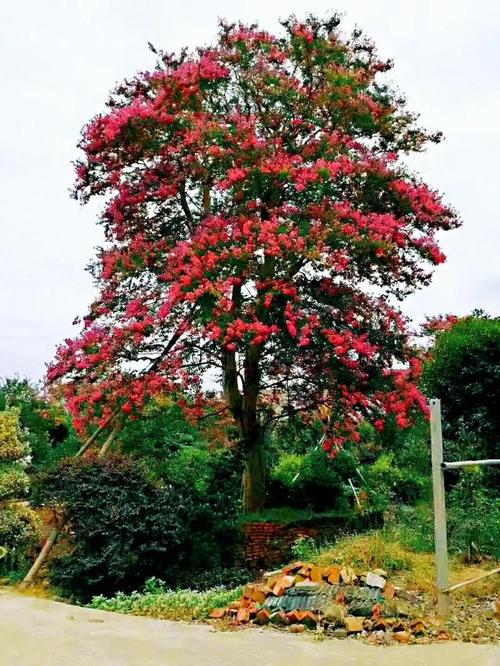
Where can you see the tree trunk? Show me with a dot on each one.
(254, 488)
(254, 481)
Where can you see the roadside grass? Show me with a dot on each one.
(158, 601)
(386, 548)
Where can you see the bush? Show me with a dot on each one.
(14, 481)
(11, 445)
(464, 372)
(474, 516)
(19, 526)
(312, 480)
(125, 528)
(19, 532)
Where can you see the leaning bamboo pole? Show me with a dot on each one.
(52, 538)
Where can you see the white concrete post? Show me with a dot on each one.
(438, 491)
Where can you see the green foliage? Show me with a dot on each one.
(14, 481)
(19, 531)
(413, 527)
(158, 601)
(464, 372)
(18, 526)
(162, 431)
(46, 428)
(175, 452)
(474, 516)
(288, 468)
(192, 466)
(305, 549)
(14, 453)
(303, 476)
(126, 528)
(12, 446)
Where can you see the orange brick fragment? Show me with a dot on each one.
(353, 624)
(296, 628)
(218, 613)
(293, 568)
(263, 616)
(282, 584)
(309, 618)
(257, 593)
(389, 591)
(243, 616)
(333, 576)
(317, 574)
(294, 616)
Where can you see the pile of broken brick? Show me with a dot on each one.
(333, 599)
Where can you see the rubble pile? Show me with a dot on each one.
(335, 600)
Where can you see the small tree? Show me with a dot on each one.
(18, 524)
(463, 370)
(260, 224)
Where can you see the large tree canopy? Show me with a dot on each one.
(260, 222)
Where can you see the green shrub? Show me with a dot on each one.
(159, 433)
(14, 481)
(312, 480)
(11, 445)
(125, 528)
(19, 526)
(474, 516)
(464, 372)
(19, 532)
(175, 452)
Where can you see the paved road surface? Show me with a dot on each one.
(38, 632)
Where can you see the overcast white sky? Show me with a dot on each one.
(58, 60)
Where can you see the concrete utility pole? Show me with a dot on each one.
(438, 492)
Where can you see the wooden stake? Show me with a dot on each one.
(95, 434)
(438, 492)
(111, 438)
(37, 564)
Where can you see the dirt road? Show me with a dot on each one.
(37, 632)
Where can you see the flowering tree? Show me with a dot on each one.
(258, 222)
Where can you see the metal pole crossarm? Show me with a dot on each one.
(469, 463)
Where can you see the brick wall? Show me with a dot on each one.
(269, 544)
